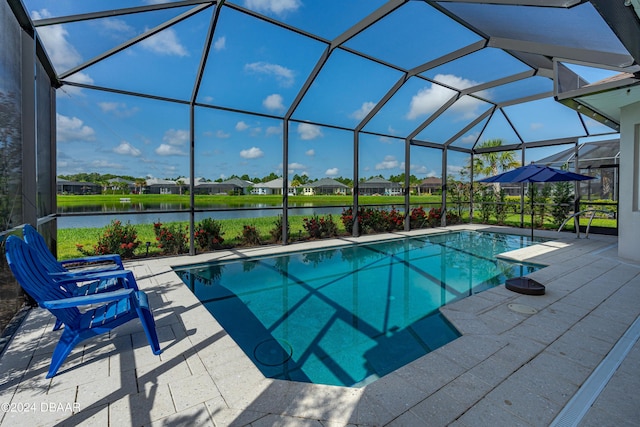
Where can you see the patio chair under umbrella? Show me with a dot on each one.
(535, 173)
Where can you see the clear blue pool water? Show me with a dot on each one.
(349, 315)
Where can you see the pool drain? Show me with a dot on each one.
(273, 352)
(522, 309)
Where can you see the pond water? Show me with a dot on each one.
(140, 217)
(100, 215)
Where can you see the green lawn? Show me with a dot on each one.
(68, 238)
(232, 228)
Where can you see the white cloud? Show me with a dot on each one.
(117, 28)
(420, 169)
(471, 138)
(80, 77)
(429, 99)
(165, 43)
(105, 164)
(169, 150)
(273, 102)
(307, 131)
(251, 153)
(455, 81)
(240, 126)
(176, 136)
(54, 37)
(536, 126)
(296, 166)
(220, 43)
(389, 162)
(222, 134)
(109, 106)
(274, 130)
(310, 152)
(283, 75)
(127, 149)
(119, 109)
(331, 172)
(73, 129)
(454, 170)
(279, 7)
(362, 112)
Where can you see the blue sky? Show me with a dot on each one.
(259, 67)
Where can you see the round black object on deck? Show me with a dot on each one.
(525, 285)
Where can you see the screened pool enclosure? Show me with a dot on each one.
(200, 91)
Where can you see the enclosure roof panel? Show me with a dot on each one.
(435, 73)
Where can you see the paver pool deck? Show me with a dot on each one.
(519, 362)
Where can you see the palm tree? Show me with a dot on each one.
(104, 183)
(140, 183)
(494, 162)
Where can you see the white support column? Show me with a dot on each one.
(629, 204)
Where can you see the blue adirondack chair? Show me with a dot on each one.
(117, 307)
(38, 244)
(84, 282)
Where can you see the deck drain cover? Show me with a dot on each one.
(521, 308)
(273, 352)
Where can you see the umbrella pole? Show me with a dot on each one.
(531, 211)
(531, 218)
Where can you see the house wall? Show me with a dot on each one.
(629, 207)
(260, 190)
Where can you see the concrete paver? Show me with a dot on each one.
(508, 368)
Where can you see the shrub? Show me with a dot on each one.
(487, 199)
(250, 235)
(501, 207)
(539, 196)
(512, 204)
(562, 202)
(434, 218)
(390, 220)
(319, 227)
(453, 218)
(418, 218)
(116, 239)
(208, 234)
(329, 227)
(347, 219)
(172, 239)
(276, 231)
(373, 220)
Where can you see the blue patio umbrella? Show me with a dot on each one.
(530, 174)
(535, 173)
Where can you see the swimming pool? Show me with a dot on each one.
(349, 315)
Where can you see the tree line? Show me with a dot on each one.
(487, 164)
(296, 181)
